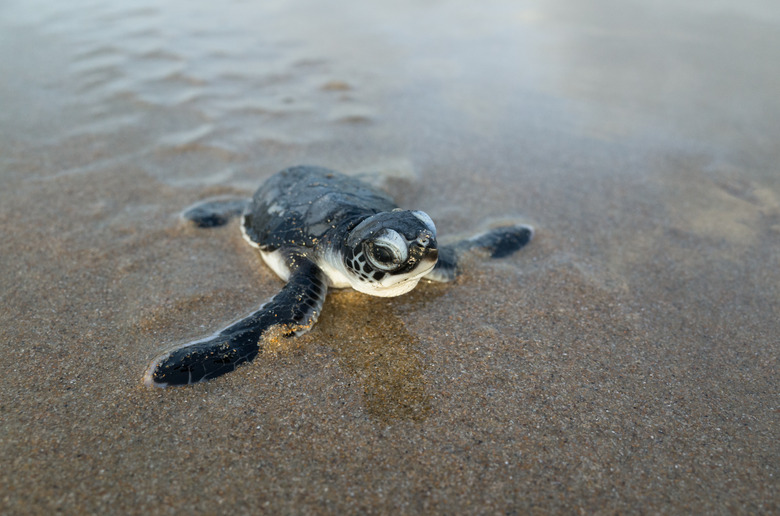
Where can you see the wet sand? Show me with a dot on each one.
(624, 362)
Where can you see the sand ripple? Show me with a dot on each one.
(170, 65)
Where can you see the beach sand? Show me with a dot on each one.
(626, 361)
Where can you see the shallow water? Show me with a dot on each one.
(627, 360)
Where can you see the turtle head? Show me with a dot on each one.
(389, 252)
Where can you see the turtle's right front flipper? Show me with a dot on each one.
(292, 311)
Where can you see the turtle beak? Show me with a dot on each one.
(427, 241)
(432, 253)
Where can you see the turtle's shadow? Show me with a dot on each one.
(373, 345)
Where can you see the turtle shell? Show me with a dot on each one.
(300, 206)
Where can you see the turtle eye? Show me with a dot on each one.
(387, 251)
(383, 254)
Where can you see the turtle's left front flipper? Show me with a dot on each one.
(498, 243)
(292, 311)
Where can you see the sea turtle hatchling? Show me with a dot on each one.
(319, 229)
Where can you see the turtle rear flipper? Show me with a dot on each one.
(214, 212)
(498, 243)
(293, 311)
